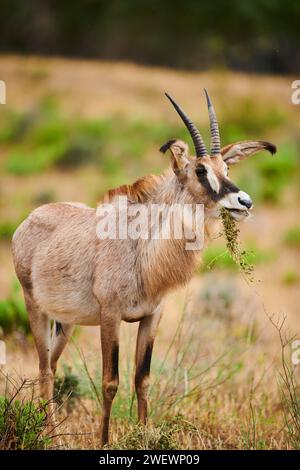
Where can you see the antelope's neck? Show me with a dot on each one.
(167, 263)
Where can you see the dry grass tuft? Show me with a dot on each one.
(163, 436)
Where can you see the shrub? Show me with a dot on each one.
(290, 277)
(51, 141)
(218, 257)
(292, 236)
(270, 175)
(67, 388)
(13, 314)
(22, 423)
(25, 161)
(16, 125)
(7, 229)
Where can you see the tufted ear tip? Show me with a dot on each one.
(270, 147)
(167, 145)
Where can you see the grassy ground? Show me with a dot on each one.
(72, 129)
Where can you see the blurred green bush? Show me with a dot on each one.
(7, 229)
(216, 256)
(67, 388)
(38, 140)
(13, 314)
(51, 141)
(22, 424)
(266, 177)
(292, 236)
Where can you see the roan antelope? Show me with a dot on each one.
(71, 276)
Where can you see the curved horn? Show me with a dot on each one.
(214, 128)
(195, 134)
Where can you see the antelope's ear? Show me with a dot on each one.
(179, 151)
(233, 153)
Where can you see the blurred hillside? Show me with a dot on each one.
(258, 36)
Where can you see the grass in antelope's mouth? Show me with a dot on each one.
(231, 233)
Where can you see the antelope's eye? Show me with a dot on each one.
(200, 171)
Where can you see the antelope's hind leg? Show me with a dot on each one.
(145, 339)
(41, 331)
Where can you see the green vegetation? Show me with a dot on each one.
(13, 314)
(218, 257)
(67, 388)
(22, 423)
(14, 126)
(290, 277)
(288, 384)
(7, 229)
(110, 143)
(289, 388)
(292, 237)
(22, 161)
(249, 118)
(43, 139)
(270, 175)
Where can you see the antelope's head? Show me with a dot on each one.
(206, 175)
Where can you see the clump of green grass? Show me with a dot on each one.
(13, 314)
(67, 388)
(163, 436)
(290, 277)
(292, 236)
(22, 422)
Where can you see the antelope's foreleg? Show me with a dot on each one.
(110, 369)
(146, 334)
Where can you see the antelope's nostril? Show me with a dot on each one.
(245, 202)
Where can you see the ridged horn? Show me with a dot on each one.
(194, 132)
(214, 128)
